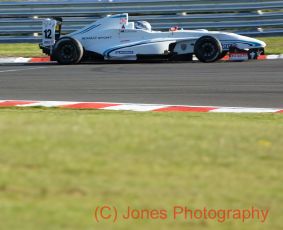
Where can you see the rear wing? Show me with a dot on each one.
(51, 32)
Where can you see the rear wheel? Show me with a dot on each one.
(68, 51)
(208, 49)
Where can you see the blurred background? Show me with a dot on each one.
(20, 21)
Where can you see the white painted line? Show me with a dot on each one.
(135, 107)
(49, 104)
(22, 60)
(244, 110)
(17, 70)
(274, 56)
(14, 60)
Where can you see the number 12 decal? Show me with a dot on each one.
(48, 33)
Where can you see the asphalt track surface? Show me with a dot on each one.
(240, 84)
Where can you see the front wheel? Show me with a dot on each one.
(208, 49)
(68, 51)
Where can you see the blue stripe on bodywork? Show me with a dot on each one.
(239, 41)
(87, 29)
(107, 52)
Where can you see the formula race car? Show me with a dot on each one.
(115, 38)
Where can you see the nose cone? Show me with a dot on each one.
(257, 43)
(261, 43)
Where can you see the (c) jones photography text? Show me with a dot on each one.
(180, 213)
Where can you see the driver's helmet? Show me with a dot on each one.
(142, 25)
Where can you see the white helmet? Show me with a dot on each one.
(143, 25)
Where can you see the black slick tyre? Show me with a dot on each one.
(68, 51)
(208, 49)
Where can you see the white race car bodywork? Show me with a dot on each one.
(115, 38)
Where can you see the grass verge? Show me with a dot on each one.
(56, 166)
(274, 46)
(20, 50)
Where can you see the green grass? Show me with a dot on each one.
(20, 50)
(274, 46)
(56, 166)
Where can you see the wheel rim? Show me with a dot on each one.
(68, 52)
(208, 50)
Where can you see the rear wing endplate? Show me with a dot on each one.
(51, 31)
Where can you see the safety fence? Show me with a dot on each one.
(21, 21)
